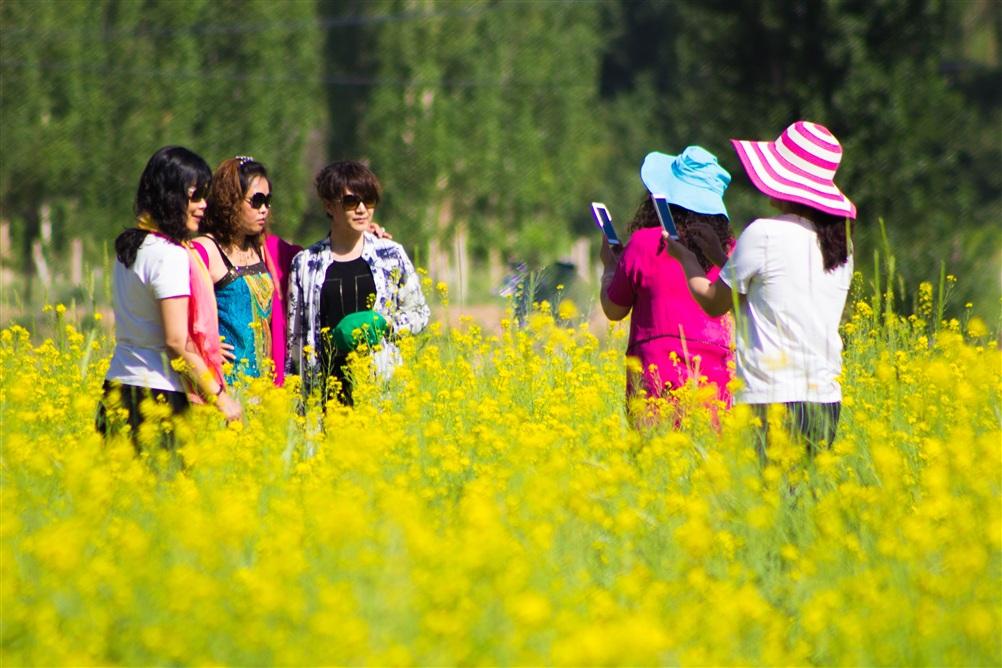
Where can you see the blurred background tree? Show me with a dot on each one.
(493, 123)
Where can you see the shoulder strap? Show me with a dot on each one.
(226, 260)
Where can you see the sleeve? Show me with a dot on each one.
(169, 274)
(746, 261)
(412, 312)
(296, 329)
(620, 290)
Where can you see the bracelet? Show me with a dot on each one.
(221, 389)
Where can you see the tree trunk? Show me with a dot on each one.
(76, 262)
(495, 268)
(462, 263)
(41, 266)
(581, 257)
(4, 239)
(45, 223)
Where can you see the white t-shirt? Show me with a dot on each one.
(140, 358)
(788, 345)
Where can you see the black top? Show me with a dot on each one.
(348, 288)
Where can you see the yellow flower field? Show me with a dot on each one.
(492, 506)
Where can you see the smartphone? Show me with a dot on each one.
(604, 222)
(664, 214)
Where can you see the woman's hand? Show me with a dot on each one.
(226, 350)
(676, 249)
(714, 298)
(610, 260)
(229, 407)
(379, 231)
(608, 255)
(703, 236)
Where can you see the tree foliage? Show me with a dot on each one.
(91, 89)
(501, 120)
(873, 72)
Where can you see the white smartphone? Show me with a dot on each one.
(604, 222)
(664, 215)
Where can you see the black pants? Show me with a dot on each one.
(816, 423)
(335, 381)
(117, 396)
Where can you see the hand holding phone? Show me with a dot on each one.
(664, 215)
(604, 222)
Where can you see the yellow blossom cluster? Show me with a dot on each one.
(491, 504)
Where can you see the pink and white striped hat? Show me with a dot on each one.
(798, 167)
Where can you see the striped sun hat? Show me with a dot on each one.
(798, 167)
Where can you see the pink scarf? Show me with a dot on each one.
(203, 320)
(278, 257)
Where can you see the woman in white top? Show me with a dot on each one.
(791, 274)
(152, 288)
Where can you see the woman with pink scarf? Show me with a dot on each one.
(164, 308)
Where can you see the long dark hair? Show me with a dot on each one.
(834, 233)
(229, 184)
(163, 196)
(647, 216)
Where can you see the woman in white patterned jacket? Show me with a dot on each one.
(347, 272)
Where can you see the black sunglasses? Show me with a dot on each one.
(199, 192)
(260, 199)
(352, 201)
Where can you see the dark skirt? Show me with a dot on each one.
(118, 396)
(814, 423)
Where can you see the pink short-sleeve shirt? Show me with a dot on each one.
(665, 318)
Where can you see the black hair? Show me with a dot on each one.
(337, 177)
(163, 196)
(834, 233)
(647, 216)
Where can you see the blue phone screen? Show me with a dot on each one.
(604, 221)
(610, 233)
(664, 214)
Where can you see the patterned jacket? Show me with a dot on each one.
(398, 298)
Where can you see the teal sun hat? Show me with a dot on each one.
(693, 179)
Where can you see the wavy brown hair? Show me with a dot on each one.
(834, 233)
(229, 186)
(647, 216)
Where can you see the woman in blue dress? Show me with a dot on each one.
(233, 246)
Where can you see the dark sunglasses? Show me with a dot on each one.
(260, 199)
(352, 201)
(199, 192)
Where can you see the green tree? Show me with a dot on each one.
(484, 119)
(875, 74)
(91, 89)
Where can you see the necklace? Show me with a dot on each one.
(241, 257)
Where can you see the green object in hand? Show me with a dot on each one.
(354, 329)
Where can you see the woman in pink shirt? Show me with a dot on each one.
(670, 335)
